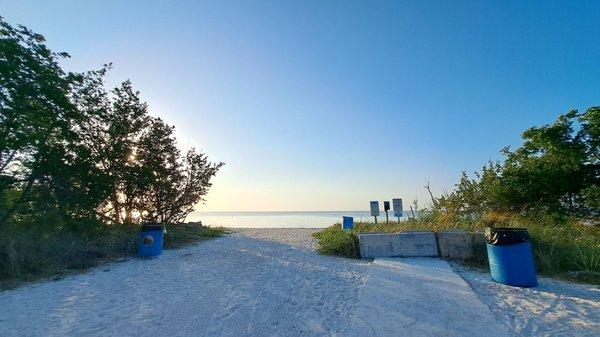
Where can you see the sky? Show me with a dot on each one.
(326, 105)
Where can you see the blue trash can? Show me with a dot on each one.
(347, 222)
(151, 240)
(510, 256)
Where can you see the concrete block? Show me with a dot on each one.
(455, 244)
(404, 244)
(420, 297)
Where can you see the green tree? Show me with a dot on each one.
(557, 170)
(72, 151)
(37, 120)
(554, 165)
(143, 172)
(172, 183)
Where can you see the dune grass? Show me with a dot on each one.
(27, 254)
(562, 247)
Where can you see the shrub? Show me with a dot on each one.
(335, 241)
(562, 246)
(27, 254)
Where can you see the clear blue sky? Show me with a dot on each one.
(325, 105)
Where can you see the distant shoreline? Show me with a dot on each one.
(282, 219)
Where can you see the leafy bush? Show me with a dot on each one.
(81, 163)
(27, 253)
(556, 170)
(562, 246)
(83, 154)
(186, 233)
(335, 241)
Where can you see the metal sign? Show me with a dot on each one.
(386, 208)
(397, 203)
(374, 208)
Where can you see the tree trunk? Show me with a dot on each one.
(117, 208)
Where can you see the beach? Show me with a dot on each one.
(316, 168)
(259, 282)
(256, 283)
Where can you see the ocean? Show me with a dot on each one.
(307, 219)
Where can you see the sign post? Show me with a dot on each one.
(386, 208)
(375, 209)
(397, 203)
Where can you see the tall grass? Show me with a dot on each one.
(28, 254)
(562, 247)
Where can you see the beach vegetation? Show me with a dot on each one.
(82, 165)
(32, 253)
(549, 185)
(563, 247)
(555, 171)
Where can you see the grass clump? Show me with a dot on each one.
(563, 247)
(336, 241)
(29, 254)
(188, 233)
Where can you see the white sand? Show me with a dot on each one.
(231, 286)
(554, 308)
(261, 282)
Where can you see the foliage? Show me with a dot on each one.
(336, 241)
(562, 246)
(146, 174)
(186, 233)
(80, 154)
(556, 170)
(553, 177)
(28, 253)
(80, 165)
(36, 124)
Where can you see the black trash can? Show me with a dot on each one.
(511, 257)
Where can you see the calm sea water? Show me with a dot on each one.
(316, 219)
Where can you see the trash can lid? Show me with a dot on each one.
(506, 236)
(149, 227)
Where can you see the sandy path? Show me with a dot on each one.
(295, 237)
(416, 297)
(554, 308)
(259, 282)
(232, 286)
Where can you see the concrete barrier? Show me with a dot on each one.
(455, 244)
(404, 244)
